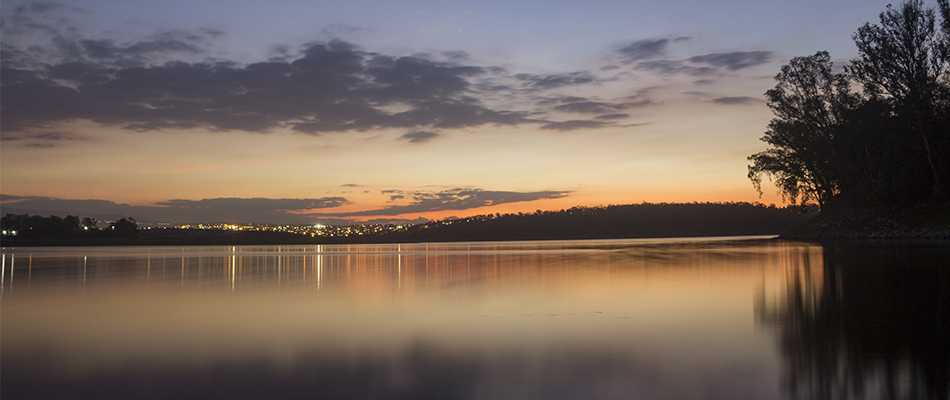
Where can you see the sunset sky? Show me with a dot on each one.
(335, 112)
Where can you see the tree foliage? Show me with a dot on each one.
(886, 146)
(27, 226)
(810, 103)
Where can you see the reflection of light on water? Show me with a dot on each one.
(3, 271)
(233, 267)
(399, 260)
(661, 319)
(319, 267)
(799, 282)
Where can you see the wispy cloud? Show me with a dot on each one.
(553, 81)
(735, 60)
(146, 85)
(267, 210)
(737, 100)
(643, 49)
(452, 199)
(419, 136)
(574, 124)
(228, 210)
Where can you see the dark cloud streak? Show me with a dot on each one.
(226, 210)
(419, 137)
(327, 87)
(332, 87)
(737, 100)
(452, 199)
(643, 49)
(265, 210)
(553, 81)
(735, 60)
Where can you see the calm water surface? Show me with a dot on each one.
(732, 318)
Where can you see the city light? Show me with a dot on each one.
(305, 230)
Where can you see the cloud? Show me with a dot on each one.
(706, 65)
(331, 87)
(37, 16)
(41, 140)
(738, 100)
(581, 105)
(419, 137)
(266, 210)
(169, 81)
(552, 81)
(670, 67)
(573, 125)
(228, 210)
(452, 199)
(612, 116)
(735, 60)
(589, 107)
(643, 49)
(42, 7)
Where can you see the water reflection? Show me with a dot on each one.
(865, 321)
(658, 319)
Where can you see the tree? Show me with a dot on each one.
(944, 7)
(905, 58)
(810, 102)
(90, 224)
(125, 228)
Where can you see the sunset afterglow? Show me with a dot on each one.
(306, 113)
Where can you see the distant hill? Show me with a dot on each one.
(607, 222)
(616, 221)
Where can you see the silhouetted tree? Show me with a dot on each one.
(905, 59)
(944, 6)
(810, 103)
(124, 228)
(35, 226)
(90, 224)
(890, 145)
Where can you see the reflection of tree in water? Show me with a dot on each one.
(424, 371)
(872, 322)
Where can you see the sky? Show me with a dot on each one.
(379, 111)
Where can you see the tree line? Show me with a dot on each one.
(27, 226)
(614, 221)
(602, 222)
(877, 132)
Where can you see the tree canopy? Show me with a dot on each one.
(888, 144)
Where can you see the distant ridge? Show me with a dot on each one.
(643, 220)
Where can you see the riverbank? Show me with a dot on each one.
(643, 220)
(846, 223)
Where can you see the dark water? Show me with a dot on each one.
(737, 318)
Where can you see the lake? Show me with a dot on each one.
(696, 318)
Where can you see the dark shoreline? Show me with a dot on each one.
(875, 223)
(930, 224)
(645, 220)
(275, 241)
